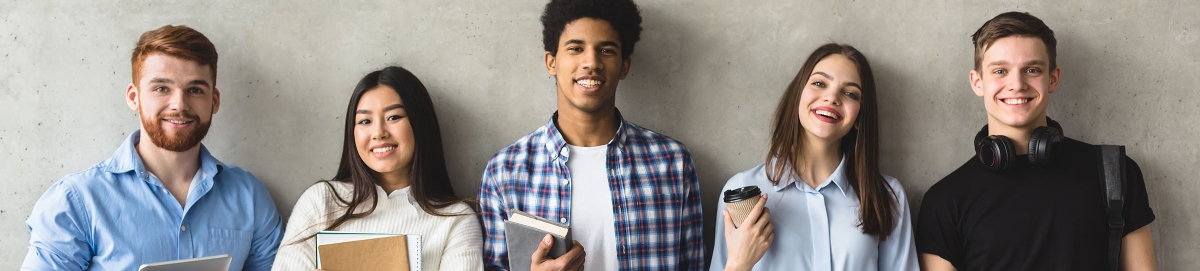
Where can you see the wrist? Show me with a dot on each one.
(737, 265)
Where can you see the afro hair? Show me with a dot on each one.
(623, 15)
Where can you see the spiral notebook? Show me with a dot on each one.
(412, 244)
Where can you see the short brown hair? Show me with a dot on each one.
(177, 41)
(1013, 23)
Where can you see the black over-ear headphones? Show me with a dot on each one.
(996, 151)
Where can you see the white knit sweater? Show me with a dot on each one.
(447, 243)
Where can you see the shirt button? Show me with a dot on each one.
(182, 228)
(566, 181)
(562, 220)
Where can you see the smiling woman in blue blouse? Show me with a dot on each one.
(829, 207)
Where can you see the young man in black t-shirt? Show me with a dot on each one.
(1032, 215)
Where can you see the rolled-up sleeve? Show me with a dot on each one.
(58, 231)
(268, 230)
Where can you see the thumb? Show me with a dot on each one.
(729, 226)
(539, 255)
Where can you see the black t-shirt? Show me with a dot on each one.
(1032, 217)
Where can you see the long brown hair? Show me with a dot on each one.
(861, 144)
(429, 180)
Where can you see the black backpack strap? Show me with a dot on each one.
(1112, 160)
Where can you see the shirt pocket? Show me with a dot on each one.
(228, 241)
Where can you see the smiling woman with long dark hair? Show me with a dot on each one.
(392, 179)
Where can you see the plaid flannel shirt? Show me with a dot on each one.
(655, 193)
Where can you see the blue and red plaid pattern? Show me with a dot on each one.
(656, 196)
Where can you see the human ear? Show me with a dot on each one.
(131, 97)
(1054, 76)
(976, 81)
(550, 64)
(625, 67)
(216, 100)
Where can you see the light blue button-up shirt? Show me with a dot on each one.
(817, 229)
(118, 216)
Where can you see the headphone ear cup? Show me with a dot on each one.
(1037, 146)
(1041, 144)
(979, 137)
(996, 153)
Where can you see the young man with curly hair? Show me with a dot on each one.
(629, 194)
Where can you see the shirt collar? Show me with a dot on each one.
(837, 179)
(126, 159)
(405, 192)
(558, 145)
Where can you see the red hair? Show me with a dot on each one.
(177, 41)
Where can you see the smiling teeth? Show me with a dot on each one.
(177, 121)
(827, 114)
(384, 149)
(1016, 101)
(588, 83)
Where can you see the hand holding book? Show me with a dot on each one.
(528, 248)
(572, 260)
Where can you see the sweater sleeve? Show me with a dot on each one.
(297, 250)
(464, 246)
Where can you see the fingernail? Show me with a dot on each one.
(546, 239)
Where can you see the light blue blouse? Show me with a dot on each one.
(817, 229)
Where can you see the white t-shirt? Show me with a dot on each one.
(591, 207)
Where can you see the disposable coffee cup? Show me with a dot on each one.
(740, 201)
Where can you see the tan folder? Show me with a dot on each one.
(376, 254)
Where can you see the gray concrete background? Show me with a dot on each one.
(708, 73)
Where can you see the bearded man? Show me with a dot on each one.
(162, 199)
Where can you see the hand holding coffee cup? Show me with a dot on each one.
(748, 228)
(740, 201)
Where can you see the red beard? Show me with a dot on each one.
(178, 141)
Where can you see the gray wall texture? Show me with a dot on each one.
(708, 73)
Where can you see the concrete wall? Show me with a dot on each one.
(708, 73)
